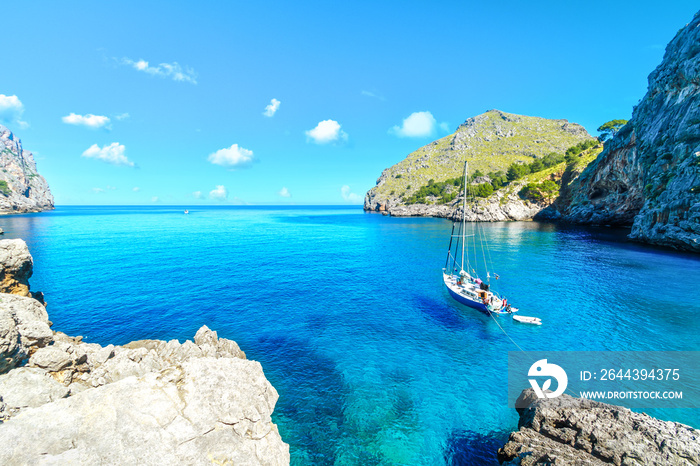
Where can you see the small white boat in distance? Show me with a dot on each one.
(187, 211)
(528, 320)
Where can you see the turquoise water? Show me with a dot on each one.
(347, 314)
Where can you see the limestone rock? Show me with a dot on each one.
(100, 355)
(502, 206)
(29, 387)
(205, 336)
(50, 358)
(573, 431)
(22, 188)
(648, 176)
(110, 364)
(205, 411)
(17, 267)
(35, 333)
(23, 329)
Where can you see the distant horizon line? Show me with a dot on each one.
(190, 206)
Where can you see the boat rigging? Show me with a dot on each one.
(460, 276)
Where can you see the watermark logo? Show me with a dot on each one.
(542, 368)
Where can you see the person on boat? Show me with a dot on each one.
(508, 309)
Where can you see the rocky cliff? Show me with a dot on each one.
(504, 205)
(17, 268)
(574, 431)
(490, 142)
(22, 188)
(648, 176)
(63, 400)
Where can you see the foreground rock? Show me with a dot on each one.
(24, 329)
(22, 188)
(572, 431)
(147, 402)
(17, 267)
(205, 411)
(649, 174)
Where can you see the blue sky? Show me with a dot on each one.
(185, 87)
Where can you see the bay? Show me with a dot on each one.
(346, 312)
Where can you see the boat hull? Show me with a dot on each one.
(460, 298)
(467, 302)
(528, 320)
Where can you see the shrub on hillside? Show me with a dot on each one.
(548, 189)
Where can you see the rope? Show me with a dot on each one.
(506, 333)
(513, 341)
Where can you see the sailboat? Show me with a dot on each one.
(461, 278)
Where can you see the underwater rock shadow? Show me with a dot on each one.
(469, 448)
(442, 313)
(310, 407)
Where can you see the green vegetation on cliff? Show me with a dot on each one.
(4, 188)
(492, 143)
(542, 178)
(610, 129)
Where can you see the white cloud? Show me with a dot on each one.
(111, 188)
(234, 156)
(122, 116)
(271, 108)
(155, 199)
(89, 120)
(284, 192)
(10, 107)
(98, 190)
(11, 110)
(350, 196)
(113, 153)
(417, 125)
(164, 70)
(445, 127)
(136, 189)
(327, 131)
(219, 193)
(372, 94)
(198, 195)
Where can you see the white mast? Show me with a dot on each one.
(464, 212)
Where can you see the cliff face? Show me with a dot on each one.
(490, 142)
(22, 188)
(648, 176)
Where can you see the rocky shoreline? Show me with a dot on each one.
(149, 401)
(501, 207)
(574, 431)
